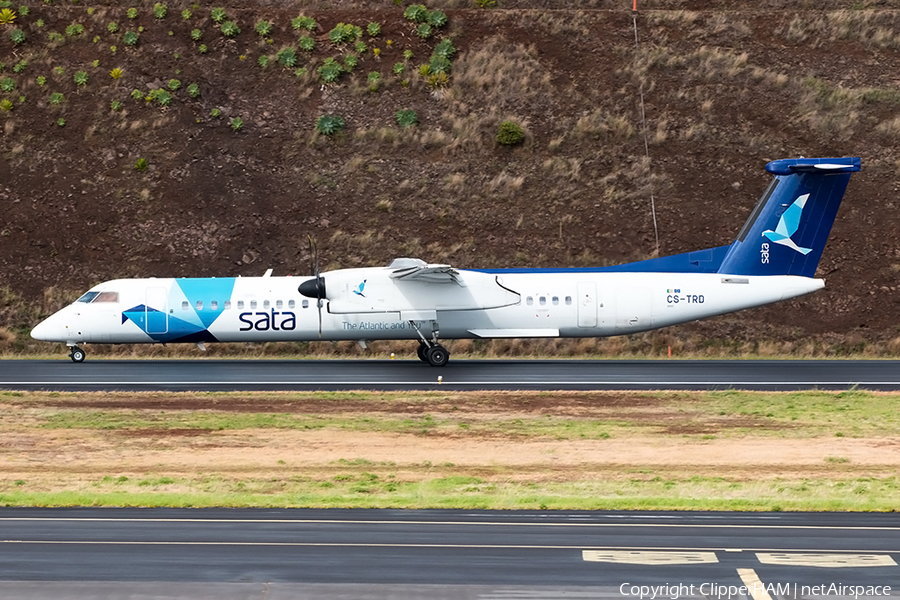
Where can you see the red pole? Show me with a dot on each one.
(635, 6)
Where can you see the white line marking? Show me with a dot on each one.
(432, 383)
(643, 557)
(829, 561)
(755, 587)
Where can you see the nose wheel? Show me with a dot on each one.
(77, 354)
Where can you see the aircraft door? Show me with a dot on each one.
(587, 304)
(156, 310)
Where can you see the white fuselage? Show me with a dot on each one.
(484, 305)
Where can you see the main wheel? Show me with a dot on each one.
(437, 356)
(422, 352)
(77, 354)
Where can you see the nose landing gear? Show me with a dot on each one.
(77, 354)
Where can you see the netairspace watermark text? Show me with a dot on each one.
(717, 590)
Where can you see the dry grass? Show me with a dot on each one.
(868, 27)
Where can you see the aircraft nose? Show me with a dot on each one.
(48, 330)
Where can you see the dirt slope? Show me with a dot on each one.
(727, 87)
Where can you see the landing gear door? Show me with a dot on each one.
(587, 304)
(156, 311)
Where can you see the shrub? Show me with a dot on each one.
(439, 64)
(416, 12)
(202, 49)
(113, 27)
(59, 70)
(41, 80)
(115, 105)
(330, 70)
(20, 66)
(329, 124)
(485, 3)
(373, 29)
(6, 105)
(160, 10)
(95, 63)
(399, 68)
(306, 43)
(174, 85)
(17, 36)
(360, 47)
(131, 38)
(196, 34)
(80, 78)
(24, 10)
(140, 164)
(344, 33)
(302, 22)
(437, 18)
(510, 133)
(408, 54)
(437, 80)
(374, 78)
(61, 122)
(218, 15)
(55, 37)
(263, 61)
(163, 98)
(407, 117)
(444, 48)
(301, 72)
(230, 29)
(116, 73)
(7, 16)
(193, 90)
(350, 62)
(74, 29)
(424, 31)
(137, 94)
(113, 49)
(132, 13)
(215, 113)
(186, 14)
(287, 57)
(57, 98)
(264, 28)
(7, 84)
(236, 123)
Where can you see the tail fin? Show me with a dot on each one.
(787, 231)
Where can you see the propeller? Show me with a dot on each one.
(314, 288)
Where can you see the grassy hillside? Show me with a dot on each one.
(154, 144)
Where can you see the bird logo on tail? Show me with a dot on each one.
(787, 226)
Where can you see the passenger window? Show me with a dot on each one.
(279, 304)
(240, 305)
(305, 304)
(227, 305)
(568, 300)
(253, 304)
(265, 304)
(543, 301)
(555, 300)
(213, 305)
(185, 305)
(199, 304)
(291, 304)
(529, 300)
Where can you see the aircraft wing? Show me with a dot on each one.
(426, 273)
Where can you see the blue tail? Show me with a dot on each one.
(787, 231)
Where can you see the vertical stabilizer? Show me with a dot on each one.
(787, 231)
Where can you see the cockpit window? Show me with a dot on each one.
(100, 297)
(107, 297)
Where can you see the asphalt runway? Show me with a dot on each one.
(263, 553)
(335, 375)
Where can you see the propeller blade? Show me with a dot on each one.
(319, 285)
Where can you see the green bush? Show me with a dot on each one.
(437, 18)
(140, 165)
(236, 123)
(264, 28)
(350, 62)
(132, 13)
(137, 94)
(439, 64)
(510, 133)
(115, 105)
(57, 98)
(7, 84)
(329, 124)
(373, 29)
(287, 57)
(230, 29)
(302, 22)
(20, 66)
(61, 122)
(74, 29)
(193, 90)
(263, 61)
(330, 70)
(407, 117)
(344, 33)
(416, 12)
(399, 68)
(444, 48)
(306, 43)
(424, 31)
(160, 10)
(113, 27)
(131, 38)
(6, 104)
(218, 15)
(174, 85)
(80, 78)
(17, 36)
(196, 34)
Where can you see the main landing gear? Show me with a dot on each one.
(431, 351)
(77, 354)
